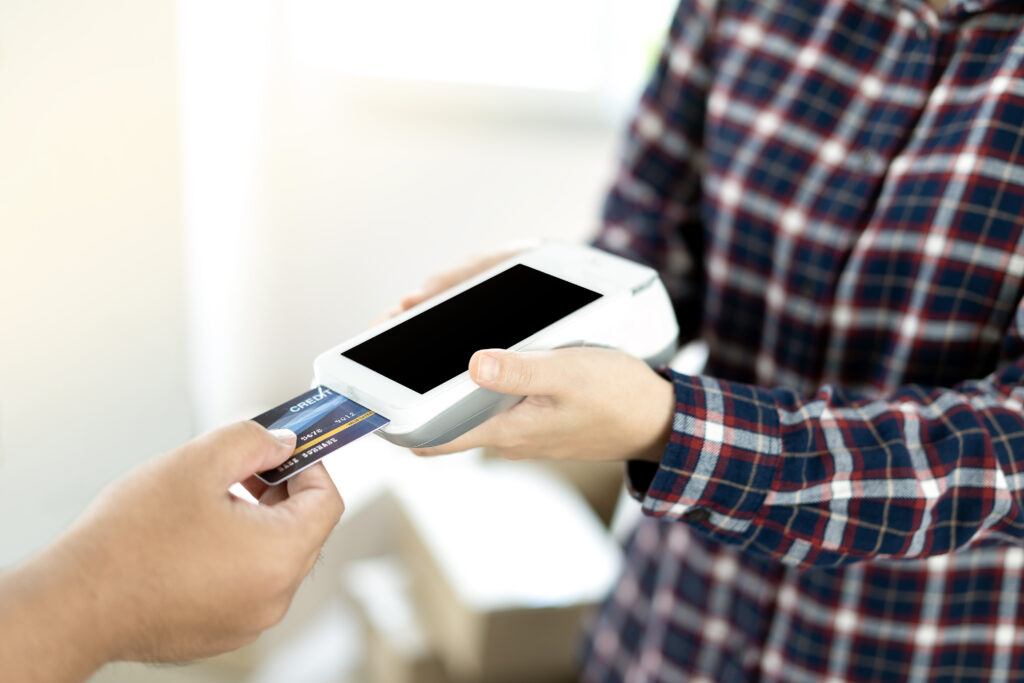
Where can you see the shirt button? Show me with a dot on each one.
(697, 514)
(870, 161)
(921, 32)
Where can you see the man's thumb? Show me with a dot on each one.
(236, 452)
(519, 374)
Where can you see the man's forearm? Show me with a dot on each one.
(51, 626)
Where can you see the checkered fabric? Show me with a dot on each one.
(833, 192)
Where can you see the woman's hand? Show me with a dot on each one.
(449, 278)
(581, 404)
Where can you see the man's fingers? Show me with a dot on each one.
(528, 373)
(311, 561)
(273, 495)
(314, 501)
(255, 486)
(236, 452)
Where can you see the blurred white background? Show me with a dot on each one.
(196, 197)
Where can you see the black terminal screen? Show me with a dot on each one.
(436, 345)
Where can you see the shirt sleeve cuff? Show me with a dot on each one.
(721, 459)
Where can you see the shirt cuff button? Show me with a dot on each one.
(697, 514)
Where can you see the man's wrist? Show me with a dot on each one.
(53, 624)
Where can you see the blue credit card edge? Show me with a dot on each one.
(328, 421)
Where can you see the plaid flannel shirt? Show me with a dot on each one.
(833, 192)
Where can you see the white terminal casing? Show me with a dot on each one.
(633, 314)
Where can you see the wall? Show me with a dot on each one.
(136, 306)
(351, 192)
(178, 239)
(92, 344)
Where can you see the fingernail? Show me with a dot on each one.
(285, 436)
(487, 368)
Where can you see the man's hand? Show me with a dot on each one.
(581, 403)
(167, 565)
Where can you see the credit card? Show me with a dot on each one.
(323, 421)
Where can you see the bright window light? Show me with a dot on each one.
(566, 45)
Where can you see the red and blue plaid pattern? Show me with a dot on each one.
(833, 191)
